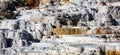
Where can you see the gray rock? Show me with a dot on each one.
(3, 43)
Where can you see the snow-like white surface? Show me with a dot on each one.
(83, 39)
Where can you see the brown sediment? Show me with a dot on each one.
(112, 50)
(117, 53)
(32, 3)
(109, 52)
(68, 31)
(102, 30)
(64, 1)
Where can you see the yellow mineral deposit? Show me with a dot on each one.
(64, 2)
(44, 2)
(102, 30)
(68, 31)
(117, 52)
(109, 52)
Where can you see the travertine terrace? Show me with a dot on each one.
(59, 27)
